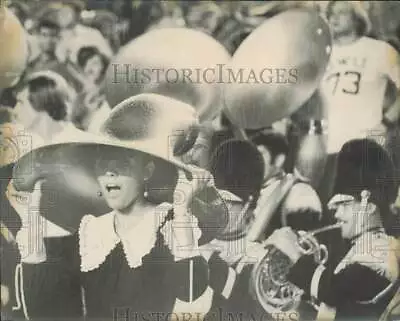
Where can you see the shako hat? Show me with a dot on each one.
(364, 165)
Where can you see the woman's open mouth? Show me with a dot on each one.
(113, 189)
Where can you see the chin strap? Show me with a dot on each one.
(19, 291)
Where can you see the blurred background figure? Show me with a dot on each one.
(74, 31)
(107, 23)
(93, 64)
(91, 107)
(274, 149)
(205, 16)
(167, 14)
(355, 83)
(47, 33)
(44, 105)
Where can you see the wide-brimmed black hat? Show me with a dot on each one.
(159, 127)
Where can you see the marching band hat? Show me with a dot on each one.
(301, 208)
(160, 127)
(238, 167)
(364, 165)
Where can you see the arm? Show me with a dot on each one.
(201, 274)
(392, 73)
(355, 283)
(47, 279)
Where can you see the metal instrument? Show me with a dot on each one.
(269, 282)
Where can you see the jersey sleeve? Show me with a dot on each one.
(391, 64)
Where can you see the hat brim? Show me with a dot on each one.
(71, 190)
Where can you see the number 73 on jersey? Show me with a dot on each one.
(347, 82)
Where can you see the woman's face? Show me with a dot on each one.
(25, 114)
(93, 68)
(121, 180)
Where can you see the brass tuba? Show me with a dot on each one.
(269, 284)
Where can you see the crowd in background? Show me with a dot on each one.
(78, 39)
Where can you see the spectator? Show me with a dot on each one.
(44, 105)
(47, 33)
(354, 85)
(92, 107)
(107, 23)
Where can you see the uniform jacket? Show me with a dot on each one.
(360, 286)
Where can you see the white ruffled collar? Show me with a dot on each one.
(97, 238)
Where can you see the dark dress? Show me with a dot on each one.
(58, 290)
(9, 254)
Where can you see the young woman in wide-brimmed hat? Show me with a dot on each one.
(142, 257)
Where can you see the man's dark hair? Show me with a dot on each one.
(275, 143)
(85, 53)
(45, 96)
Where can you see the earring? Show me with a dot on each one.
(365, 195)
(99, 194)
(146, 193)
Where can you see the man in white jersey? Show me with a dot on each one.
(353, 88)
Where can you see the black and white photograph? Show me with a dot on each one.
(199, 160)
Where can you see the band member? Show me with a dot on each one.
(354, 85)
(284, 201)
(362, 284)
(274, 149)
(141, 257)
